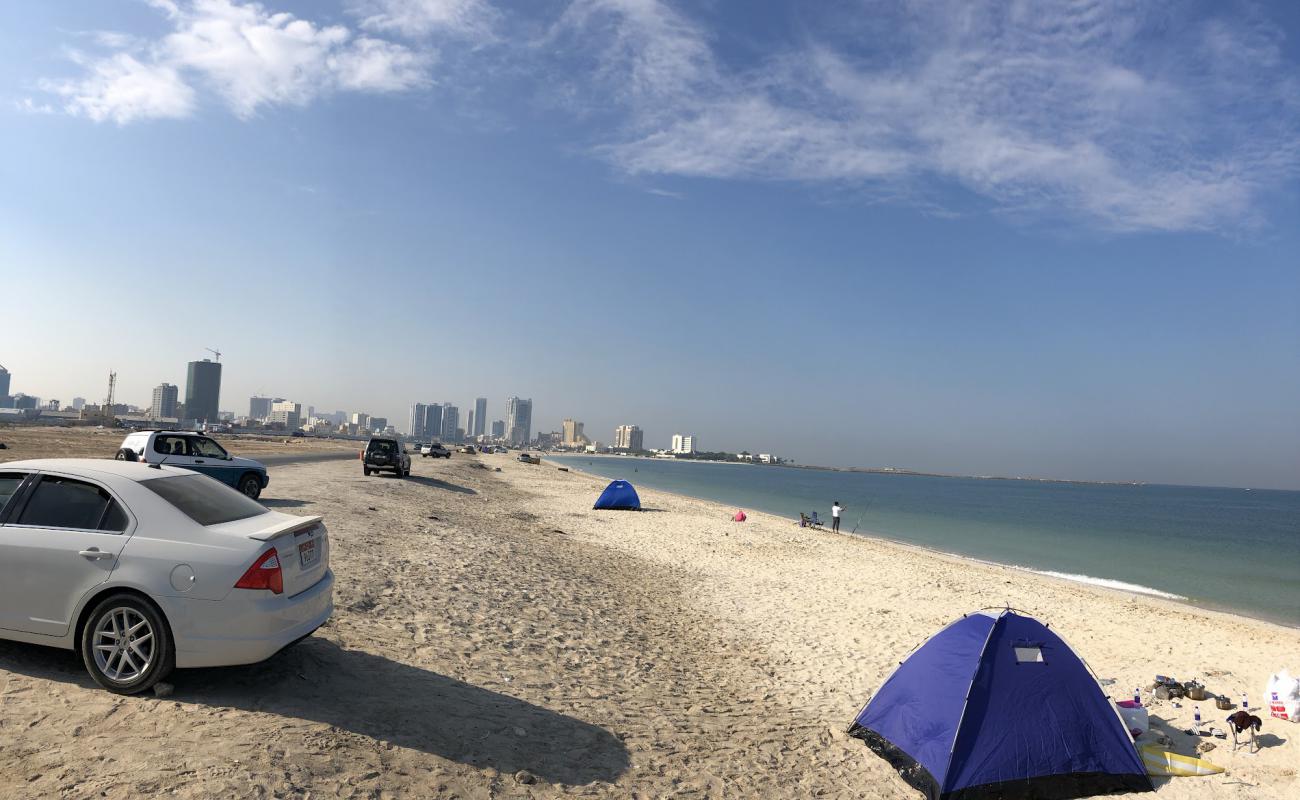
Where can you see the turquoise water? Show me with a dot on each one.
(1233, 549)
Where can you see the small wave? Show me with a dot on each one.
(1109, 584)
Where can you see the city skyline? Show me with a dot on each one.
(1057, 243)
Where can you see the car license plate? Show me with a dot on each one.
(307, 553)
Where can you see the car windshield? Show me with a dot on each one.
(204, 500)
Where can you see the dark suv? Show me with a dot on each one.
(386, 453)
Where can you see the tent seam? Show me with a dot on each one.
(979, 662)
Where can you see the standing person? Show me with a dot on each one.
(836, 510)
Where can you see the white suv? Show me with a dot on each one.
(434, 450)
(196, 452)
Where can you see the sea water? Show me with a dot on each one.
(1232, 549)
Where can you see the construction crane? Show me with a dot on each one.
(216, 353)
(106, 413)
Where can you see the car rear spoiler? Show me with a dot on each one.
(294, 524)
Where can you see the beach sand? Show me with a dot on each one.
(489, 623)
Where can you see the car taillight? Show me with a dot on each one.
(264, 574)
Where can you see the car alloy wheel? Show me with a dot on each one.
(251, 486)
(125, 645)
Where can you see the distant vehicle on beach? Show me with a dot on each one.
(468, 448)
(434, 450)
(145, 568)
(528, 458)
(196, 452)
(385, 453)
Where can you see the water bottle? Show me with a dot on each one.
(1244, 706)
(1196, 718)
(1137, 695)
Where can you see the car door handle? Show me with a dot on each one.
(95, 554)
(198, 461)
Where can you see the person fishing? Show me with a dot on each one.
(836, 510)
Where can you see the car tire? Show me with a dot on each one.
(250, 486)
(114, 669)
(366, 470)
(126, 455)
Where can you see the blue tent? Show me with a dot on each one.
(997, 706)
(619, 495)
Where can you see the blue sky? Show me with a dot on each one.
(1044, 238)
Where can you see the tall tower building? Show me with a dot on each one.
(165, 396)
(628, 437)
(203, 390)
(498, 429)
(4, 382)
(519, 420)
(683, 444)
(450, 422)
(480, 416)
(416, 428)
(433, 421)
(259, 407)
(469, 423)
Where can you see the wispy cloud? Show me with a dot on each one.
(1088, 109)
(475, 20)
(249, 55)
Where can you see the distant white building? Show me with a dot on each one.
(286, 413)
(165, 396)
(683, 444)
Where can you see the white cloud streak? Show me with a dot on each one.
(250, 56)
(1066, 108)
(475, 20)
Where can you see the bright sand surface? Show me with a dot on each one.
(491, 622)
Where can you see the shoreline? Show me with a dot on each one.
(1091, 582)
(909, 473)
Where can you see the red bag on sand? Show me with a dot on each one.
(740, 516)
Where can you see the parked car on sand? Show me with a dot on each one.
(434, 450)
(196, 452)
(385, 453)
(528, 458)
(145, 568)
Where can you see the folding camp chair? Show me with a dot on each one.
(816, 523)
(1244, 722)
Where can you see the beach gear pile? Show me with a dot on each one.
(618, 496)
(997, 706)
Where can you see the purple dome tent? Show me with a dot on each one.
(997, 706)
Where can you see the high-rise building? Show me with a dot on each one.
(628, 437)
(203, 390)
(480, 416)
(78, 403)
(498, 428)
(378, 424)
(259, 407)
(4, 382)
(433, 422)
(683, 444)
(469, 423)
(573, 433)
(519, 420)
(165, 396)
(360, 419)
(450, 422)
(286, 413)
(416, 428)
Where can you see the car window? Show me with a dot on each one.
(171, 445)
(206, 448)
(204, 500)
(384, 447)
(59, 502)
(9, 483)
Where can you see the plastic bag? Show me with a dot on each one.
(1282, 693)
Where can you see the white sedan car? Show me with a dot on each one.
(145, 568)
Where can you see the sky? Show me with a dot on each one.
(1052, 238)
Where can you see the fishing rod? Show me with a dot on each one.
(865, 506)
